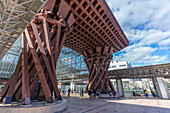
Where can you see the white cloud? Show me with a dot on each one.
(164, 42)
(147, 37)
(140, 55)
(138, 12)
(145, 23)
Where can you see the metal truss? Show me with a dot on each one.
(75, 78)
(160, 70)
(14, 16)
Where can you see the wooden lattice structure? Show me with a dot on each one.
(98, 61)
(86, 26)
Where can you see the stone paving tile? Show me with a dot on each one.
(78, 104)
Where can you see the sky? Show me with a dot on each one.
(146, 24)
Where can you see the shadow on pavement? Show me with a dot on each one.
(122, 105)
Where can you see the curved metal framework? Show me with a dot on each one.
(14, 16)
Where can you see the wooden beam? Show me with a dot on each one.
(40, 71)
(25, 75)
(48, 43)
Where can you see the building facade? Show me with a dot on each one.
(119, 65)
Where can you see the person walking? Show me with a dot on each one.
(82, 92)
(69, 90)
(114, 94)
(153, 93)
(98, 93)
(94, 93)
(133, 93)
(64, 93)
(89, 93)
(110, 93)
(146, 93)
(74, 91)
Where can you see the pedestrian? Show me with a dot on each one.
(69, 90)
(114, 94)
(154, 94)
(64, 93)
(98, 93)
(110, 93)
(72, 91)
(82, 91)
(89, 93)
(94, 93)
(134, 93)
(146, 93)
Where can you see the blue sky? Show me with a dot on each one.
(146, 24)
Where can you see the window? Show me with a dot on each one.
(122, 65)
(113, 66)
(126, 82)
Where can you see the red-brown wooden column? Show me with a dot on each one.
(25, 75)
(98, 61)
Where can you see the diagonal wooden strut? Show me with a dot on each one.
(39, 69)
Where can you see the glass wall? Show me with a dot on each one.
(70, 63)
(6, 69)
(135, 85)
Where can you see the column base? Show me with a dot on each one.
(8, 100)
(50, 100)
(120, 87)
(26, 101)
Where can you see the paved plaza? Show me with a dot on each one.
(78, 104)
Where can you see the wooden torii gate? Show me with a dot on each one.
(86, 26)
